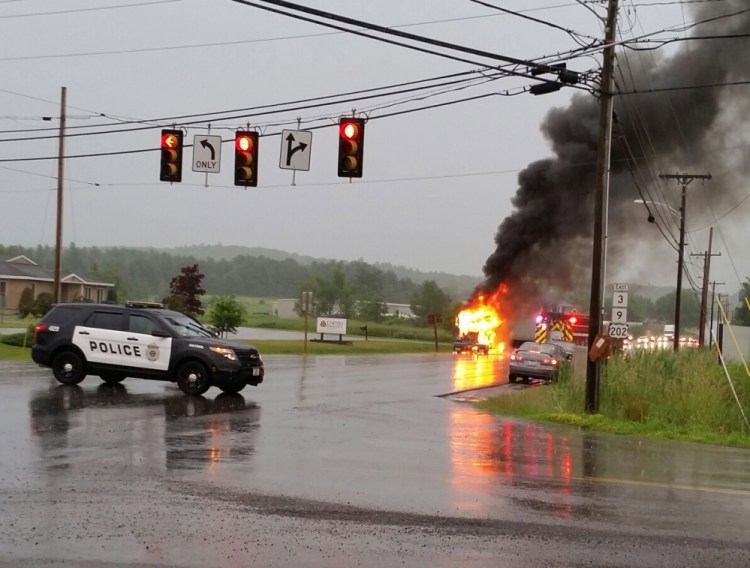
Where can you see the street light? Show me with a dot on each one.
(680, 260)
(648, 202)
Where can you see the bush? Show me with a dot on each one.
(18, 339)
(42, 304)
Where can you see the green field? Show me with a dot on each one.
(372, 347)
(11, 353)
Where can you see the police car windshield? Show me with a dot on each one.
(187, 327)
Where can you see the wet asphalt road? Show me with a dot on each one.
(347, 461)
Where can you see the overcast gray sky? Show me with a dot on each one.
(436, 185)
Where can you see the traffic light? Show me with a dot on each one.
(171, 156)
(246, 158)
(351, 147)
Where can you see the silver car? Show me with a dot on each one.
(535, 360)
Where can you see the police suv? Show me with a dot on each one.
(139, 340)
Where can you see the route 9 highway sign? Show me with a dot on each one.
(618, 330)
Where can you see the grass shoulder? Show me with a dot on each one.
(13, 353)
(678, 396)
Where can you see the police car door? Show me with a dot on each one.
(101, 337)
(153, 352)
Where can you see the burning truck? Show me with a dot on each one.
(490, 323)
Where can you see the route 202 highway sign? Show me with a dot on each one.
(618, 330)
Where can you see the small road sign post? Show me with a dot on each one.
(207, 154)
(296, 147)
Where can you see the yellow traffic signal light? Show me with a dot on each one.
(246, 158)
(351, 147)
(171, 156)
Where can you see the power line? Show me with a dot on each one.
(250, 41)
(142, 150)
(575, 35)
(243, 115)
(210, 115)
(683, 88)
(663, 42)
(392, 32)
(98, 8)
(92, 185)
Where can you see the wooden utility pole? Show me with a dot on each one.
(601, 198)
(704, 292)
(684, 180)
(60, 171)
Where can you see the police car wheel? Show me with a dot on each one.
(193, 378)
(68, 368)
(112, 378)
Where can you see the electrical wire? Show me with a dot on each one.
(142, 150)
(575, 35)
(392, 32)
(260, 40)
(77, 10)
(209, 116)
(242, 115)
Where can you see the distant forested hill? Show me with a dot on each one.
(231, 270)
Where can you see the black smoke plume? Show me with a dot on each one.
(545, 245)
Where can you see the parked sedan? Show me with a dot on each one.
(535, 360)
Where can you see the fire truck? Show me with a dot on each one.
(562, 326)
(553, 323)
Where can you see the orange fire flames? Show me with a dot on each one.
(481, 318)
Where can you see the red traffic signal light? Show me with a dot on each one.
(171, 156)
(246, 159)
(351, 147)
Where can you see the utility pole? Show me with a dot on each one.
(60, 170)
(713, 297)
(601, 198)
(684, 180)
(704, 291)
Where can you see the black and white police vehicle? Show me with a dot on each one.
(142, 341)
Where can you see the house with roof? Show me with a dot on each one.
(20, 272)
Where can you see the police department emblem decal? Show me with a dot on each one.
(152, 352)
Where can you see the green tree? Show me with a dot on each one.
(226, 314)
(741, 314)
(26, 302)
(185, 288)
(110, 275)
(429, 299)
(324, 295)
(344, 291)
(370, 307)
(690, 308)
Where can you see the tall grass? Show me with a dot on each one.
(684, 391)
(681, 395)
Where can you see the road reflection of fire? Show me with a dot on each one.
(487, 452)
(478, 371)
